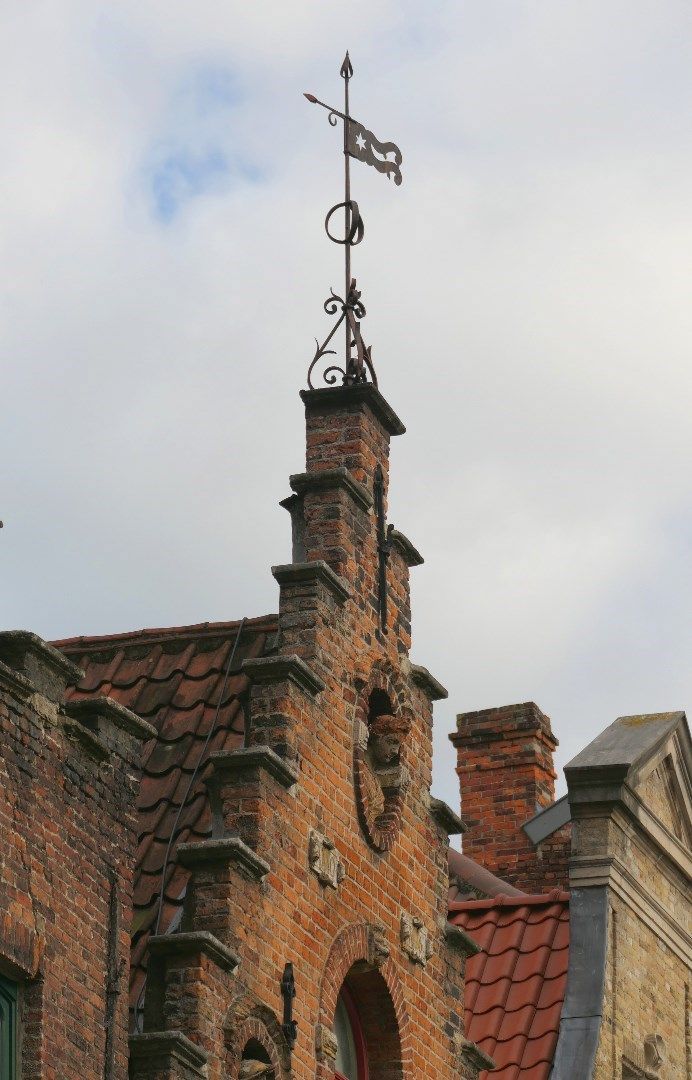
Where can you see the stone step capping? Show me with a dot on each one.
(458, 939)
(332, 479)
(230, 851)
(430, 686)
(333, 398)
(41, 665)
(194, 943)
(166, 1054)
(247, 761)
(475, 1059)
(446, 818)
(92, 712)
(267, 669)
(103, 727)
(410, 554)
(313, 573)
(17, 684)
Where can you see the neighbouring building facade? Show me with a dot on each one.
(220, 858)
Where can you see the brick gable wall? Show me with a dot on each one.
(67, 843)
(326, 853)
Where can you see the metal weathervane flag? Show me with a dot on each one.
(386, 157)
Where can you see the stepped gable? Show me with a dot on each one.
(515, 987)
(174, 679)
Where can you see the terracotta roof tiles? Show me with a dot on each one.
(178, 680)
(516, 986)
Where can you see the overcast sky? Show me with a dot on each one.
(163, 186)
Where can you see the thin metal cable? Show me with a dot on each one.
(183, 804)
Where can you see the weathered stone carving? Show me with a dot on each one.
(415, 939)
(326, 1045)
(324, 860)
(378, 945)
(381, 779)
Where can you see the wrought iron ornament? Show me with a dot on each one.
(384, 546)
(386, 158)
(289, 1026)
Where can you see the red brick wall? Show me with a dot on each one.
(506, 775)
(67, 839)
(316, 718)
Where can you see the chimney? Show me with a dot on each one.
(506, 775)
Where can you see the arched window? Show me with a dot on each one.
(351, 1057)
(8, 1030)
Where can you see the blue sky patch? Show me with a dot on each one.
(196, 151)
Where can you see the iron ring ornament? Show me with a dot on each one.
(356, 230)
(386, 158)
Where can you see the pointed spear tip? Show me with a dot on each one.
(311, 98)
(347, 67)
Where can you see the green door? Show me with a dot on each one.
(8, 1030)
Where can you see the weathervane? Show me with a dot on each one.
(386, 158)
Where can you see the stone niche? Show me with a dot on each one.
(381, 778)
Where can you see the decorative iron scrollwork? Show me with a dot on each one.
(386, 158)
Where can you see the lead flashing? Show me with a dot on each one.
(547, 821)
(582, 1012)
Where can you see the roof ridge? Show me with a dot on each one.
(500, 901)
(152, 634)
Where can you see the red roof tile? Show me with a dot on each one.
(516, 986)
(176, 679)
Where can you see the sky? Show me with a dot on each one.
(164, 185)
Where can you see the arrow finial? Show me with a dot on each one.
(347, 67)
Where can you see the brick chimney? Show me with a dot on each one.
(506, 775)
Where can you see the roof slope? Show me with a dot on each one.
(515, 987)
(184, 680)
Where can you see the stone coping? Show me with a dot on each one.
(324, 479)
(475, 1056)
(300, 573)
(277, 668)
(15, 682)
(42, 664)
(87, 738)
(173, 1045)
(411, 555)
(105, 708)
(194, 942)
(457, 938)
(230, 849)
(428, 683)
(446, 818)
(252, 757)
(328, 397)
